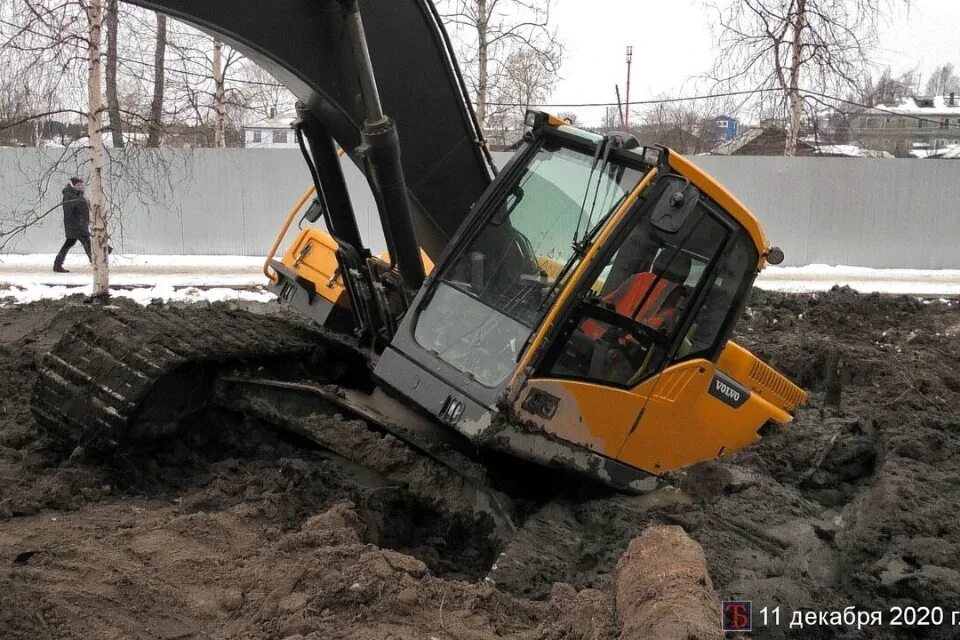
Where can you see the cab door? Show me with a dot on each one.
(596, 378)
(694, 411)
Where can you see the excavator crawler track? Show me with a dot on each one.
(130, 375)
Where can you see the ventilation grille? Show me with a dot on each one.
(790, 394)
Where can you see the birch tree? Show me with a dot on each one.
(98, 199)
(219, 110)
(800, 48)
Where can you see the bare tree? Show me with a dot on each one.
(525, 82)
(64, 40)
(944, 80)
(686, 127)
(98, 198)
(206, 85)
(798, 47)
(612, 119)
(112, 21)
(155, 119)
(488, 32)
(219, 110)
(886, 89)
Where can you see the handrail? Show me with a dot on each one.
(267, 271)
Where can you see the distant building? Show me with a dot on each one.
(761, 141)
(275, 132)
(917, 126)
(771, 140)
(725, 128)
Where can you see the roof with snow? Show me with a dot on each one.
(850, 151)
(730, 147)
(283, 120)
(921, 106)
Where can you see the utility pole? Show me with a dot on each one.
(626, 108)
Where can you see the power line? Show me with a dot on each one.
(803, 92)
(197, 74)
(632, 102)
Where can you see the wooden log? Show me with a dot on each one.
(664, 591)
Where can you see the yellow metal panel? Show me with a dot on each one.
(683, 424)
(313, 257)
(673, 382)
(590, 415)
(267, 271)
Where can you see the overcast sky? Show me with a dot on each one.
(677, 34)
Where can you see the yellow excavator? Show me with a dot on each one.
(573, 308)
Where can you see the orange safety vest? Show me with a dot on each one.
(627, 297)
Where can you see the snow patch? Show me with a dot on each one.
(822, 277)
(140, 295)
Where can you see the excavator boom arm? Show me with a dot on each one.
(304, 44)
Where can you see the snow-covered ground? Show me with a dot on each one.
(26, 278)
(820, 277)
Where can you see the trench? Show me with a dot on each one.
(232, 458)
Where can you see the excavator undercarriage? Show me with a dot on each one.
(129, 379)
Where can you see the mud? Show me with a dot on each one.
(236, 530)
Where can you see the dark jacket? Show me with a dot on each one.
(76, 214)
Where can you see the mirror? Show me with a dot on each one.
(314, 211)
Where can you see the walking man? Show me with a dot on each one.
(76, 222)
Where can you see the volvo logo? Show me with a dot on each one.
(728, 391)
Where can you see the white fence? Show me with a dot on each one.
(861, 212)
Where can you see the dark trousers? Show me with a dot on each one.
(67, 245)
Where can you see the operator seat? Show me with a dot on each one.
(673, 266)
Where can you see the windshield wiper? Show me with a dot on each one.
(602, 148)
(580, 244)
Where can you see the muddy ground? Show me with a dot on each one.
(238, 531)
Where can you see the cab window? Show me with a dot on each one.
(712, 324)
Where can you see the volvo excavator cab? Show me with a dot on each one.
(580, 316)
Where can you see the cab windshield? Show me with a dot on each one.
(487, 301)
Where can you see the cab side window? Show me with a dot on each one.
(710, 326)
